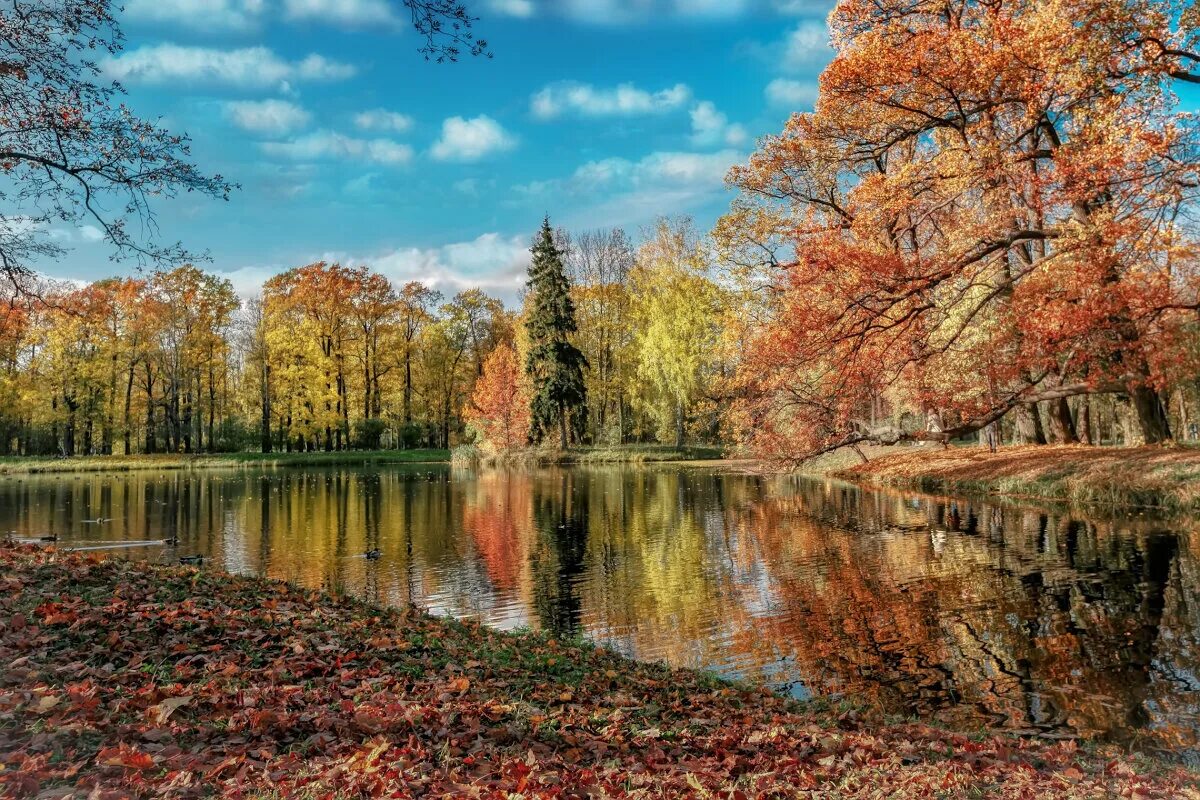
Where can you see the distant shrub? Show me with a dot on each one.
(368, 433)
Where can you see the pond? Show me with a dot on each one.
(962, 612)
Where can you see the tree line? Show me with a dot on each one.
(330, 357)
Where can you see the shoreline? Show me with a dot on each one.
(32, 465)
(625, 454)
(166, 681)
(1121, 479)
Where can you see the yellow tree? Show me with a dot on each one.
(599, 263)
(677, 311)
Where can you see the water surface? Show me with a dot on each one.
(968, 613)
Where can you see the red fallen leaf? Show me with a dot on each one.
(17, 623)
(1072, 774)
(125, 756)
(459, 685)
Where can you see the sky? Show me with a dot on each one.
(349, 147)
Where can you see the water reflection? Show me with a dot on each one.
(964, 612)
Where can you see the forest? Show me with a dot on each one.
(983, 232)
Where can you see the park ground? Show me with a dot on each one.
(130, 680)
(1165, 479)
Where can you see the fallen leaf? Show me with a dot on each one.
(163, 711)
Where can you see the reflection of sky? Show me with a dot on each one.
(1029, 620)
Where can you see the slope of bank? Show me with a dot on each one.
(20, 465)
(1164, 478)
(612, 454)
(125, 679)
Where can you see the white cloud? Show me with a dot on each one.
(512, 8)
(796, 95)
(330, 145)
(632, 192)
(711, 127)
(711, 8)
(806, 47)
(202, 14)
(90, 233)
(693, 170)
(617, 12)
(623, 100)
(266, 116)
(248, 67)
(492, 262)
(349, 13)
(471, 139)
(380, 119)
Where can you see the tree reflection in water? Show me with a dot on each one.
(970, 613)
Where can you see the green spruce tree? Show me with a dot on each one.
(554, 365)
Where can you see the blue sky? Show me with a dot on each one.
(350, 147)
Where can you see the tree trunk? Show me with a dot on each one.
(1083, 428)
(679, 424)
(266, 407)
(1151, 416)
(407, 389)
(562, 426)
(1183, 416)
(1061, 424)
(151, 443)
(129, 412)
(1028, 425)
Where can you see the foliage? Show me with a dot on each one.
(677, 312)
(500, 404)
(599, 265)
(984, 211)
(553, 364)
(152, 682)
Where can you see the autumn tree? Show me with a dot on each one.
(417, 305)
(677, 315)
(983, 213)
(70, 149)
(499, 406)
(599, 264)
(553, 365)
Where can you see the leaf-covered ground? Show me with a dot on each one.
(122, 679)
(1166, 478)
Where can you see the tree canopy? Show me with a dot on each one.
(987, 209)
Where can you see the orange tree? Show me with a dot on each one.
(982, 213)
(499, 406)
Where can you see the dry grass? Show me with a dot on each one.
(1166, 478)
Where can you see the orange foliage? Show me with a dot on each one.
(500, 405)
(983, 210)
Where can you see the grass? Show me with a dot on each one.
(21, 465)
(1161, 478)
(131, 680)
(607, 454)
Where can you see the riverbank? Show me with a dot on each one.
(133, 680)
(21, 465)
(614, 454)
(1130, 478)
